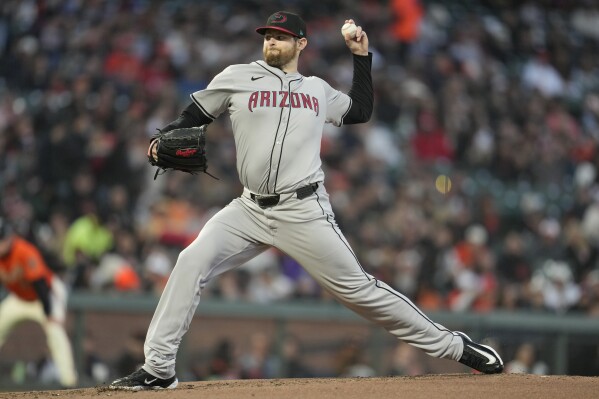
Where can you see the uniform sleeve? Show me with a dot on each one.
(33, 265)
(338, 105)
(190, 117)
(214, 99)
(361, 92)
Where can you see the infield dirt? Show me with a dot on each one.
(446, 386)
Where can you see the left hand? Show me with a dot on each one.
(152, 151)
(359, 44)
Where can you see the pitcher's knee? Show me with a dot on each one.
(189, 258)
(192, 267)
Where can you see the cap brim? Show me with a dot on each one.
(262, 30)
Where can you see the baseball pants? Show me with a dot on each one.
(14, 310)
(305, 230)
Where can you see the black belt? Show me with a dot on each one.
(266, 201)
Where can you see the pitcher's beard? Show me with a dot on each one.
(274, 60)
(277, 58)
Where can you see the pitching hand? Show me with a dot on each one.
(359, 44)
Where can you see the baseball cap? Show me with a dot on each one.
(287, 22)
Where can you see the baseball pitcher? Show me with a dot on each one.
(37, 294)
(277, 116)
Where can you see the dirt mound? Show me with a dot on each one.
(458, 386)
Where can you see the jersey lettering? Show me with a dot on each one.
(253, 101)
(306, 102)
(295, 102)
(266, 98)
(283, 103)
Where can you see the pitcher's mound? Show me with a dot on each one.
(446, 386)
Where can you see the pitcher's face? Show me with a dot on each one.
(280, 48)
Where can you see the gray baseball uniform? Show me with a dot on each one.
(277, 122)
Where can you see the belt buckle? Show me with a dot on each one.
(266, 201)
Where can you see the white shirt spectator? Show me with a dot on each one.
(540, 75)
(555, 282)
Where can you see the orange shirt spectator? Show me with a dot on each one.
(22, 266)
(408, 14)
(35, 294)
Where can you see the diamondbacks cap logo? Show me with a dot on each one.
(287, 22)
(278, 18)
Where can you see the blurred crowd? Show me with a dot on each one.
(501, 98)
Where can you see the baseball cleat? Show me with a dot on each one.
(480, 357)
(141, 380)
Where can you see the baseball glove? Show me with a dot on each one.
(180, 149)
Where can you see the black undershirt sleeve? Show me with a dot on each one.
(43, 293)
(361, 92)
(190, 117)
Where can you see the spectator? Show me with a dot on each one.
(526, 361)
(550, 239)
(292, 364)
(580, 254)
(554, 283)
(94, 366)
(513, 265)
(157, 268)
(473, 273)
(258, 362)
(406, 360)
(88, 236)
(268, 283)
(514, 271)
(222, 365)
(350, 360)
(430, 142)
(539, 74)
(132, 358)
(35, 294)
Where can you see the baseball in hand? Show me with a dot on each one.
(349, 30)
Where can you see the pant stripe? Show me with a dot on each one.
(393, 292)
(341, 238)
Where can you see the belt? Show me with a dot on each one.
(267, 201)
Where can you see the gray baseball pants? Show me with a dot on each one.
(305, 230)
